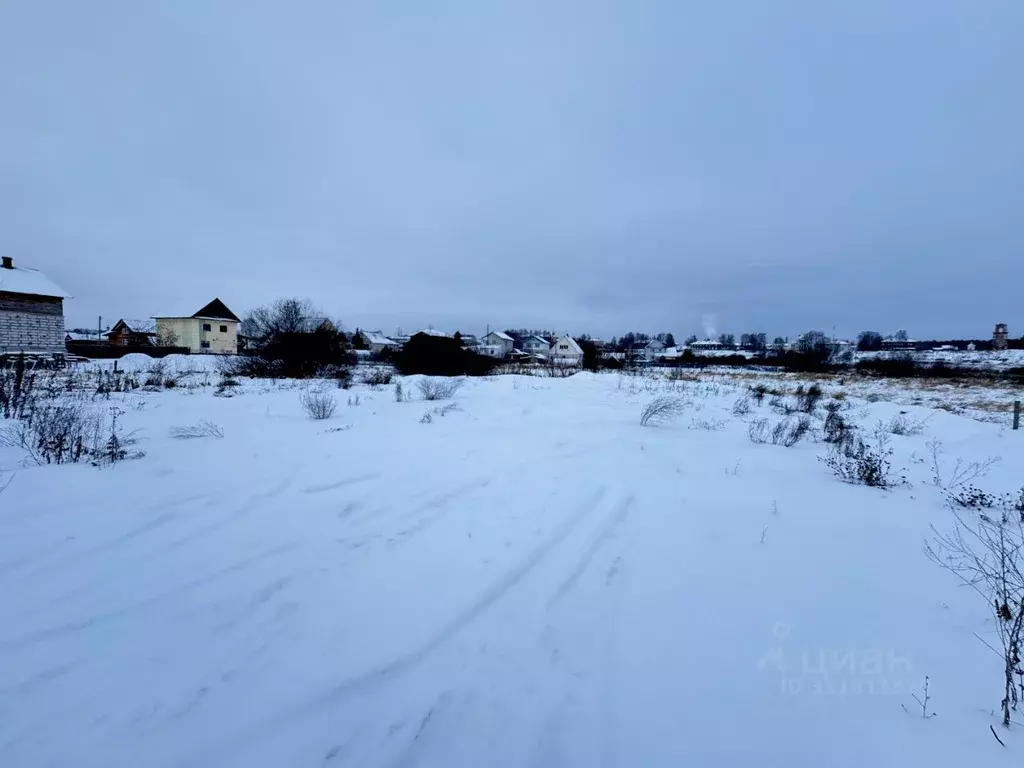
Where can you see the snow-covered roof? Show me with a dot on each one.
(573, 346)
(135, 326)
(31, 282)
(377, 337)
(501, 335)
(536, 338)
(434, 332)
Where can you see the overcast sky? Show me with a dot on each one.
(586, 166)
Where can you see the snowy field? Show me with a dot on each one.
(528, 579)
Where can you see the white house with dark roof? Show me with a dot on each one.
(31, 311)
(213, 329)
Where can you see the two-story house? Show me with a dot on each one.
(213, 329)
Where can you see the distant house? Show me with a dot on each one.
(213, 330)
(653, 349)
(565, 351)
(132, 333)
(377, 342)
(536, 345)
(894, 344)
(498, 344)
(31, 311)
(431, 332)
(706, 345)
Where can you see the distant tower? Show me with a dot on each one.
(999, 336)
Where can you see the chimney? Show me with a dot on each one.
(8, 262)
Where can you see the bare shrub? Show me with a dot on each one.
(318, 405)
(986, 552)
(53, 433)
(399, 394)
(758, 392)
(16, 389)
(741, 407)
(661, 409)
(807, 399)
(901, 425)
(790, 431)
(427, 418)
(837, 430)
(114, 447)
(204, 428)
(757, 431)
(961, 474)
(861, 464)
(437, 388)
(444, 410)
(378, 377)
(709, 425)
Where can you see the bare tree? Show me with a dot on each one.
(987, 554)
(662, 409)
(166, 337)
(284, 316)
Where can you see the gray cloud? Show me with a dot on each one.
(587, 166)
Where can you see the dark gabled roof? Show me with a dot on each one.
(217, 309)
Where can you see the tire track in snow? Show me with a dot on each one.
(78, 625)
(605, 531)
(360, 683)
(158, 522)
(341, 483)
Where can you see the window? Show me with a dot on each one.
(223, 329)
(206, 327)
(563, 346)
(204, 344)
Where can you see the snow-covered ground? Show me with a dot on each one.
(990, 360)
(530, 579)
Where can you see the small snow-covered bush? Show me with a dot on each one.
(837, 430)
(62, 433)
(758, 392)
(901, 425)
(436, 388)
(757, 431)
(204, 428)
(807, 399)
(742, 406)
(661, 409)
(861, 464)
(318, 405)
(790, 431)
(444, 410)
(709, 425)
(378, 377)
(399, 394)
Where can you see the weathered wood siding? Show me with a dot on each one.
(31, 323)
